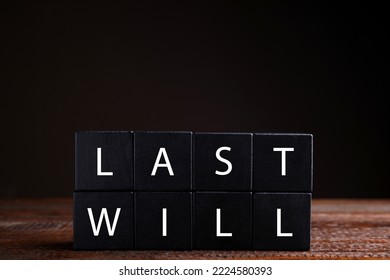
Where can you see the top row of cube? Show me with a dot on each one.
(185, 161)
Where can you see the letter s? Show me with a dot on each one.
(228, 163)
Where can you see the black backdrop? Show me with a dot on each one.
(205, 67)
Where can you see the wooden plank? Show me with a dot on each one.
(341, 229)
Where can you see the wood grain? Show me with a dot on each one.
(341, 229)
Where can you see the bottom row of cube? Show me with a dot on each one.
(191, 220)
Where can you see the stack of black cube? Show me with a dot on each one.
(183, 190)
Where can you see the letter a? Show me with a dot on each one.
(167, 164)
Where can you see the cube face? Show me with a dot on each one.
(281, 221)
(222, 161)
(103, 220)
(222, 221)
(163, 220)
(104, 161)
(282, 162)
(162, 161)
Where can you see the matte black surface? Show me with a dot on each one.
(178, 150)
(116, 156)
(84, 238)
(267, 163)
(149, 220)
(295, 219)
(236, 218)
(206, 163)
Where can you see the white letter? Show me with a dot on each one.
(279, 225)
(167, 164)
(99, 164)
(283, 150)
(228, 163)
(103, 214)
(164, 222)
(219, 233)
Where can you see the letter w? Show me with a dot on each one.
(103, 214)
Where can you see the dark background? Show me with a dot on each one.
(234, 66)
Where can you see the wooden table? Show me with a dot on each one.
(341, 229)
